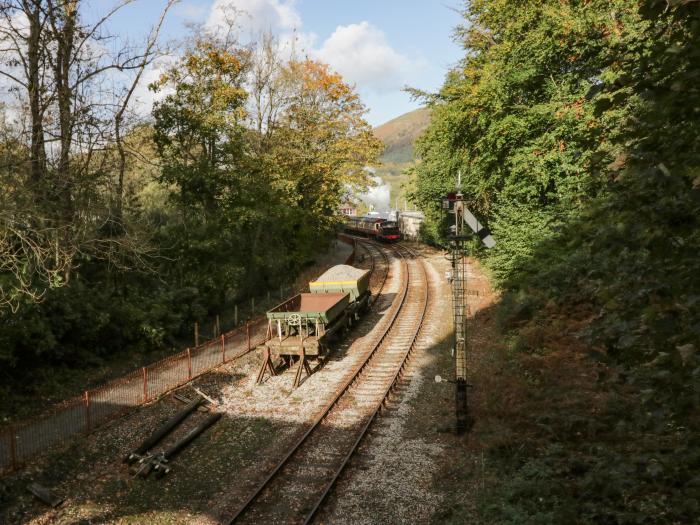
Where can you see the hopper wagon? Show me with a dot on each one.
(303, 327)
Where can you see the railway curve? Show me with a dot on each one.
(296, 487)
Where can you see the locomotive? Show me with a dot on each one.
(379, 229)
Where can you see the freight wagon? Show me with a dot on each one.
(379, 229)
(303, 327)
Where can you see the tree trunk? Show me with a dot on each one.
(32, 9)
(64, 20)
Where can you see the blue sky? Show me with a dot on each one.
(379, 45)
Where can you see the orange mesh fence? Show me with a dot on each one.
(204, 358)
(6, 448)
(20, 443)
(165, 375)
(108, 401)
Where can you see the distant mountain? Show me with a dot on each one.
(400, 133)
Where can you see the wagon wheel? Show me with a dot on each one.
(294, 322)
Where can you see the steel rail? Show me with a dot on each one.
(372, 268)
(329, 407)
(378, 247)
(397, 376)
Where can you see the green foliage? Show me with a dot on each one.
(575, 128)
(219, 212)
(199, 130)
(324, 143)
(81, 323)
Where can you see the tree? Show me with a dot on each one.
(199, 127)
(518, 120)
(201, 139)
(575, 127)
(323, 143)
(57, 65)
(261, 152)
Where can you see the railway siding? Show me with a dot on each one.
(88, 469)
(259, 423)
(296, 486)
(96, 488)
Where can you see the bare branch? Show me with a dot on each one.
(90, 33)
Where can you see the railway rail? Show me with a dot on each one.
(297, 486)
(371, 248)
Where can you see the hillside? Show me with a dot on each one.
(398, 135)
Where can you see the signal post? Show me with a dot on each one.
(463, 225)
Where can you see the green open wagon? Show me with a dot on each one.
(302, 327)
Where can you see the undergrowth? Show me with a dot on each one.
(575, 128)
(570, 438)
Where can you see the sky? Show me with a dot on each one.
(380, 46)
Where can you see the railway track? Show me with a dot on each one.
(296, 488)
(373, 251)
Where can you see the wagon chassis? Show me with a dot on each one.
(263, 498)
(273, 350)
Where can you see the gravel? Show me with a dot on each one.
(342, 272)
(391, 480)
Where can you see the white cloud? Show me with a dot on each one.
(361, 53)
(191, 11)
(255, 16)
(143, 97)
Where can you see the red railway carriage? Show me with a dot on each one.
(379, 229)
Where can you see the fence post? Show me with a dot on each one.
(235, 315)
(13, 447)
(247, 333)
(189, 364)
(144, 372)
(196, 334)
(88, 422)
(223, 349)
(218, 326)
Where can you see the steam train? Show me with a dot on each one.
(380, 229)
